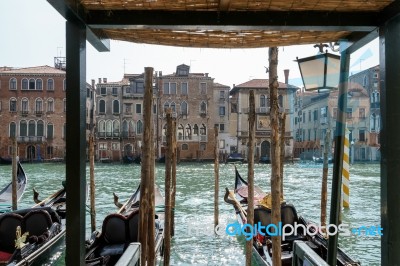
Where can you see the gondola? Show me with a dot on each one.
(5, 160)
(235, 158)
(31, 235)
(262, 245)
(6, 192)
(120, 229)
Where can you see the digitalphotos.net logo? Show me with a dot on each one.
(193, 228)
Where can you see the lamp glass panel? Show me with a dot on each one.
(332, 72)
(313, 73)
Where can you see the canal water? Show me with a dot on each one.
(194, 242)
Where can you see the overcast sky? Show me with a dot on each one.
(32, 33)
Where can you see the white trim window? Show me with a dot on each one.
(13, 84)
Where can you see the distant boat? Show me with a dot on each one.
(130, 159)
(106, 160)
(6, 192)
(4, 160)
(235, 158)
(264, 159)
(161, 159)
(321, 159)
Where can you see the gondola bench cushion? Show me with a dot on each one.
(118, 231)
(35, 221)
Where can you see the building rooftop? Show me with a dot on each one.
(32, 70)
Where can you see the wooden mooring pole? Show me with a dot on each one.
(282, 125)
(216, 177)
(275, 153)
(250, 175)
(14, 175)
(92, 183)
(173, 176)
(168, 162)
(147, 208)
(324, 188)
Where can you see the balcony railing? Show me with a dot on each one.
(193, 138)
(31, 139)
(127, 135)
(262, 110)
(108, 135)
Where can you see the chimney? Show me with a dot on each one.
(104, 80)
(160, 73)
(99, 80)
(93, 83)
(286, 71)
(206, 75)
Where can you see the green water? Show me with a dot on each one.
(194, 243)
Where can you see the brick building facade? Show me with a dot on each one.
(33, 106)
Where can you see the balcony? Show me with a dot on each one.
(174, 115)
(38, 112)
(323, 120)
(24, 112)
(31, 139)
(127, 135)
(108, 135)
(262, 110)
(192, 138)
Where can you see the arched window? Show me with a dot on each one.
(185, 147)
(203, 107)
(188, 132)
(109, 129)
(378, 97)
(13, 84)
(40, 128)
(203, 130)
(39, 84)
(39, 106)
(195, 130)
(116, 107)
(65, 105)
(139, 127)
(131, 128)
(24, 84)
(181, 133)
(101, 128)
(24, 105)
(32, 84)
(23, 128)
(13, 105)
(172, 106)
(50, 105)
(280, 101)
(65, 84)
(116, 128)
(50, 85)
(31, 128)
(262, 101)
(102, 107)
(184, 108)
(125, 129)
(50, 131)
(166, 106)
(13, 129)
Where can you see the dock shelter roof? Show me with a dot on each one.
(228, 23)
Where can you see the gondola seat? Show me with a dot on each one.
(114, 231)
(36, 223)
(8, 226)
(133, 224)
